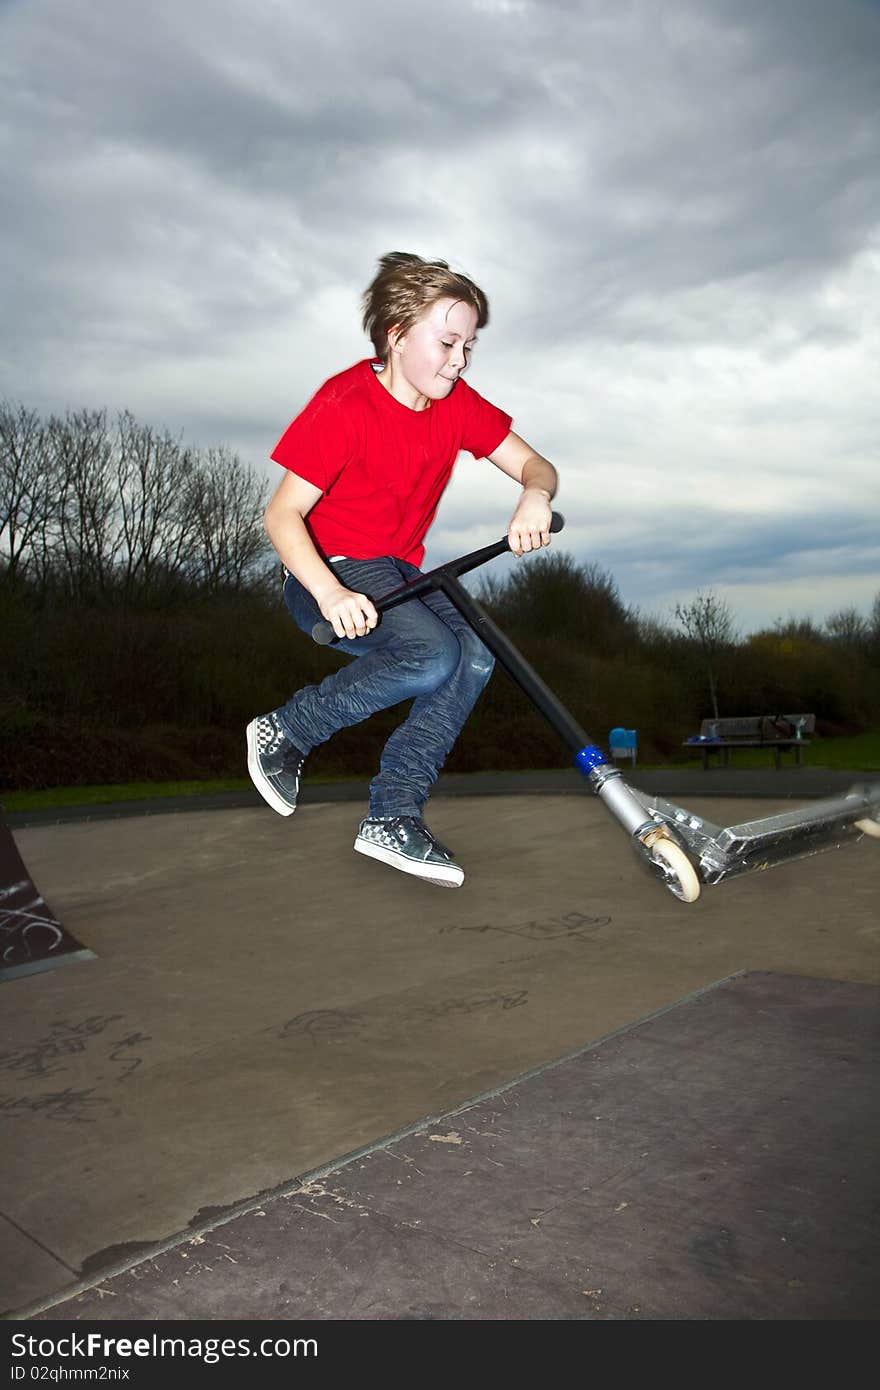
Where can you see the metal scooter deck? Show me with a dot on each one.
(722, 852)
(683, 849)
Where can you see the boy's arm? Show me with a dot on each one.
(530, 524)
(351, 614)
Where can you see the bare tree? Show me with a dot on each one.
(848, 627)
(89, 538)
(798, 630)
(24, 487)
(708, 623)
(155, 495)
(117, 510)
(227, 504)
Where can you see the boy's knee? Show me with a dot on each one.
(432, 659)
(477, 655)
(445, 657)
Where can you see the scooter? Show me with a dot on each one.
(683, 850)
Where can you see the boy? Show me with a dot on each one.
(367, 462)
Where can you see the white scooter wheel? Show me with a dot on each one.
(678, 872)
(868, 827)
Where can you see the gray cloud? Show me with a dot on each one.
(675, 210)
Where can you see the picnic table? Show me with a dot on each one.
(779, 733)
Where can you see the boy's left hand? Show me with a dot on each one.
(529, 527)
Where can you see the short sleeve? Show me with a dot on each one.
(484, 426)
(317, 444)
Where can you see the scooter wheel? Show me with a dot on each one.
(868, 827)
(678, 872)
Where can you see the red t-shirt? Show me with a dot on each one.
(382, 467)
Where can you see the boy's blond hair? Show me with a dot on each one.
(405, 288)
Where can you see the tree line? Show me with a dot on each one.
(142, 627)
(96, 507)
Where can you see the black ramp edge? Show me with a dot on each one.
(31, 937)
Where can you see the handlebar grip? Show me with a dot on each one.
(323, 633)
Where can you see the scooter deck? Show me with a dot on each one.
(723, 851)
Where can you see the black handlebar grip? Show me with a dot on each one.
(323, 633)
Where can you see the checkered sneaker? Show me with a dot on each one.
(274, 763)
(406, 843)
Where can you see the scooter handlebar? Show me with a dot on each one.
(323, 633)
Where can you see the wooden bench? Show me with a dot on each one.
(780, 732)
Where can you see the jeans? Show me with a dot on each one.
(422, 650)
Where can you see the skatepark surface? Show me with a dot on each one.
(294, 1083)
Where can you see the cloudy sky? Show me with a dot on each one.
(673, 205)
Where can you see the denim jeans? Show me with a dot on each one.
(422, 650)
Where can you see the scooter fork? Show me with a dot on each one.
(653, 836)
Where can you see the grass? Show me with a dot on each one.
(123, 791)
(129, 791)
(857, 753)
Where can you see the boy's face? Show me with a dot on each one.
(432, 354)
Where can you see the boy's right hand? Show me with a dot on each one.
(351, 615)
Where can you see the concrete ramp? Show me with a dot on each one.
(265, 1004)
(714, 1161)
